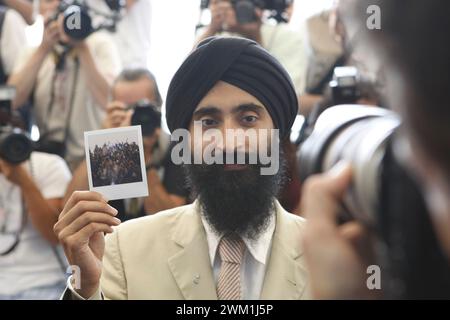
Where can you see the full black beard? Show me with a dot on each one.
(240, 201)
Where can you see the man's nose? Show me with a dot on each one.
(232, 136)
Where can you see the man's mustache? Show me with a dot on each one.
(235, 157)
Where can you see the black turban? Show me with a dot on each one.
(239, 62)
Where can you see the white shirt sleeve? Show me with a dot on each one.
(51, 174)
(13, 39)
(75, 296)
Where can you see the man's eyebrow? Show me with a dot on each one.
(206, 111)
(212, 110)
(248, 107)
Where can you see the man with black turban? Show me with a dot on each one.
(235, 241)
(238, 62)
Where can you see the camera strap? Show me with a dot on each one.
(71, 101)
(20, 231)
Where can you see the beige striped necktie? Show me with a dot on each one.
(231, 251)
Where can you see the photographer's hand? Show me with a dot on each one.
(337, 256)
(251, 30)
(14, 173)
(117, 115)
(217, 21)
(51, 36)
(217, 17)
(80, 229)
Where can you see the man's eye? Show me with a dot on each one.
(250, 119)
(208, 122)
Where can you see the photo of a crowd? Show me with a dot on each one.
(115, 163)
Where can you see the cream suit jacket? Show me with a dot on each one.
(165, 256)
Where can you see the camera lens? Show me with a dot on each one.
(15, 146)
(147, 117)
(357, 135)
(77, 22)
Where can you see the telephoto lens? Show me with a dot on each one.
(384, 196)
(358, 135)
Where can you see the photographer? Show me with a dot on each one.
(165, 180)
(31, 194)
(325, 52)
(415, 51)
(12, 40)
(322, 69)
(284, 44)
(68, 82)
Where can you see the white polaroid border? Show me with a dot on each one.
(119, 191)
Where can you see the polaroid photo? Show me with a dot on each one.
(115, 162)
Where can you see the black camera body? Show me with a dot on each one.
(245, 9)
(147, 116)
(115, 5)
(345, 85)
(15, 144)
(77, 21)
(78, 24)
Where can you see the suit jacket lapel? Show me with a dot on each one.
(191, 266)
(285, 274)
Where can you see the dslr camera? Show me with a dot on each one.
(147, 116)
(15, 144)
(384, 196)
(78, 17)
(360, 135)
(344, 86)
(245, 9)
(348, 86)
